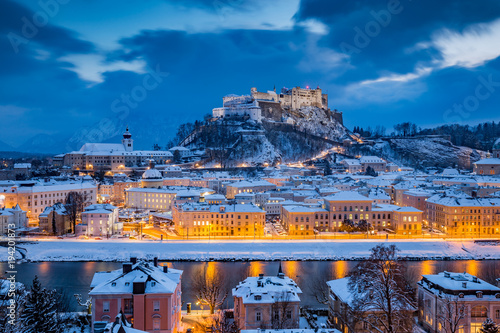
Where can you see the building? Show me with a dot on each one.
(148, 295)
(12, 219)
(375, 162)
(238, 106)
(248, 186)
(114, 157)
(101, 220)
(55, 215)
(303, 220)
(352, 165)
(416, 198)
(487, 166)
(195, 219)
(267, 302)
(464, 216)
(294, 98)
(152, 178)
(33, 196)
(407, 221)
(347, 205)
(273, 205)
(379, 196)
(459, 299)
(342, 313)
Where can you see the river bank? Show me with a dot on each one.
(122, 250)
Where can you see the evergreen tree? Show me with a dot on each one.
(489, 326)
(39, 314)
(177, 157)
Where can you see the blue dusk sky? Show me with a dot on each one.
(75, 71)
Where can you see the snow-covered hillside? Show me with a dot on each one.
(299, 136)
(424, 152)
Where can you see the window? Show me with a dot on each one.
(479, 312)
(497, 314)
(258, 316)
(105, 306)
(129, 305)
(156, 306)
(156, 324)
(289, 314)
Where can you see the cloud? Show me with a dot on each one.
(476, 45)
(91, 67)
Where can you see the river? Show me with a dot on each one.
(75, 277)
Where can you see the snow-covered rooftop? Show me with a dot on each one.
(267, 289)
(119, 282)
(346, 196)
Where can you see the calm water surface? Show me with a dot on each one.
(75, 277)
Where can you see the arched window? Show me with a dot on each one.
(479, 312)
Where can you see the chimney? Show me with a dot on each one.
(127, 267)
(133, 260)
(165, 269)
(261, 276)
(474, 279)
(498, 282)
(155, 261)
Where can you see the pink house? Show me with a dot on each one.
(148, 295)
(267, 302)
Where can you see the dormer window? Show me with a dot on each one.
(479, 294)
(257, 297)
(153, 283)
(113, 284)
(461, 295)
(127, 283)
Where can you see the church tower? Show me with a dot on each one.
(127, 141)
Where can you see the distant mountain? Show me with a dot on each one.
(43, 143)
(5, 147)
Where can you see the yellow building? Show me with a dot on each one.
(464, 216)
(407, 221)
(303, 220)
(196, 219)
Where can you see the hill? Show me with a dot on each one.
(303, 134)
(422, 152)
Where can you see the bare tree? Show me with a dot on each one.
(210, 288)
(451, 313)
(380, 292)
(74, 205)
(221, 322)
(318, 288)
(282, 311)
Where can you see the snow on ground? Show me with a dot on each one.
(122, 250)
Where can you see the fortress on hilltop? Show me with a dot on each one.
(274, 106)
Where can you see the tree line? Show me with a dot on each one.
(481, 136)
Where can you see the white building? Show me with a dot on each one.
(183, 152)
(461, 299)
(33, 197)
(113, 156)
(101, 220)
(12, 219)
(234, 105)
